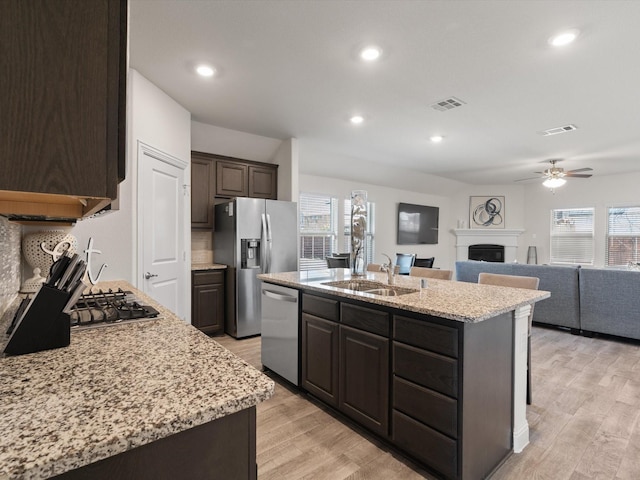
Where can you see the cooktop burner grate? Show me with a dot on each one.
(109, 307)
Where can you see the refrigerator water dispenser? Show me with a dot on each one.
(250, 252)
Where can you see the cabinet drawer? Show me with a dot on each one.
(427, 445)
(431, 408)
(320, 307)
(428, 369)
(366, 319)
(207, 277)
(437, 338)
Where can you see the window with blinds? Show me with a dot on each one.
(318, 229)
(572, 239)
(370, 234)
(623, 235)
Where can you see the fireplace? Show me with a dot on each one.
(507, 237)
(486, 252)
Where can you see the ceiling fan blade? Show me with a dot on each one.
(580, 170)
(525, 179)
(578, 175)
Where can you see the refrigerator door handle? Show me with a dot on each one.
(269, 243)
(264, 261)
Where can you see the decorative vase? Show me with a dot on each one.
(358, 232)
(40, 250)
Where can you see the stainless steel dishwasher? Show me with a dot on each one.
(280, 331)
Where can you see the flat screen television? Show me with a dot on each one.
(417, 224)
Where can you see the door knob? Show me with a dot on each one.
(149, 275)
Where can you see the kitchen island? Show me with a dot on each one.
(438, 372)
(150, 399)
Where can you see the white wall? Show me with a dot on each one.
(232, 143)
(288, 172)
(599, 192)
(386, 201)
(514, 210)
(156, 120)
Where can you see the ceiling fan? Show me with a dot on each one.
(555, 176)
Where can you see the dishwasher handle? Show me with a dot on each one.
(279, 296)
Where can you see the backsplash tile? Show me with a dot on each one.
(9, 262)
(201, 247)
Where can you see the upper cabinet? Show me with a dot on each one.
(227, 177)
(231, 179)
(203, 190)
(263, 182)
(63, 106)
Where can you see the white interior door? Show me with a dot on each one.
(161, 197)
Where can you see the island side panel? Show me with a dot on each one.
(219, 450)
(487, 390)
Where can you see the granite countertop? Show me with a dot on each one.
(461, 301)
(113, 389)
(207, 266)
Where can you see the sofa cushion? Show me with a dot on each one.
(610, 302)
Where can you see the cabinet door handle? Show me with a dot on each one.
(148, 275)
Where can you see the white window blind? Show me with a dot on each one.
(370, 239)
(318, 229)
(572, 236)
(623, 236)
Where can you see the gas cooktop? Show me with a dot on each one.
(103, 308)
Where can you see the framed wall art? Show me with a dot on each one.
(486, 212)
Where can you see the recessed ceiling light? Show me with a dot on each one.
(564, 38)
(370, 53)
(205, 70)
(357, 119)
(436, 138)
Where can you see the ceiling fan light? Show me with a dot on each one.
(564, 38)
(554, 182)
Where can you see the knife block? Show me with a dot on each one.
(43, 325)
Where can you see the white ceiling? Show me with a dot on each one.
(288, 69)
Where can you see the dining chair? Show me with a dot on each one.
(338, 262)
(431, 273)
(424, 262)
(374, 267)
(405, 262)
(515, 281)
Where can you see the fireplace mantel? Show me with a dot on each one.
(472, 236)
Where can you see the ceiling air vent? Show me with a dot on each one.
(448, 104)
(557, 130)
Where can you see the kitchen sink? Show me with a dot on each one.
(374, 288)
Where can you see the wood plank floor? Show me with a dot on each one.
(584, 421)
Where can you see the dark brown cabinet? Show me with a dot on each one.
(207, 305)
(452, 401)
(438, 389)
(345, 366)
(364, 378)
(320, 358)
(62, 146)
(231, 179)
(226, 177)
(263, 182)
(203, 180)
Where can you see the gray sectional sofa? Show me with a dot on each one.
(583, 299)
(610, 302)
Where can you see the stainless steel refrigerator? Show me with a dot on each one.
(252, 236)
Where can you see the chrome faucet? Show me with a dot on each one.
(390, 268)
